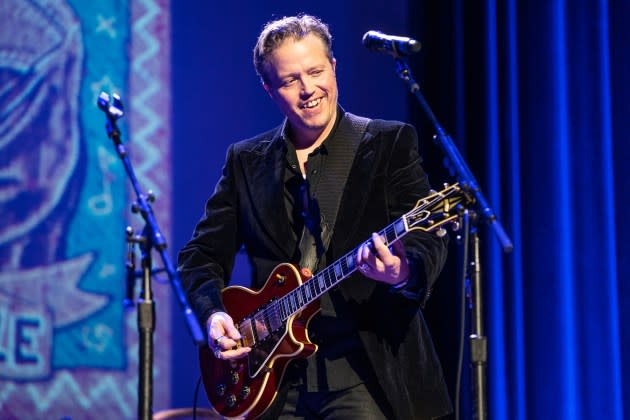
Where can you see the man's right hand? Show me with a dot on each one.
(223, 337)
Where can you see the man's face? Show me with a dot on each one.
(302, 82)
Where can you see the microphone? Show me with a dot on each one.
(396, 45)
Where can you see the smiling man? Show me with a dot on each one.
(311, 191)
(299, 75)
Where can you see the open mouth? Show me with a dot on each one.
(311, 104)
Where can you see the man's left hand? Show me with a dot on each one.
(381, 264)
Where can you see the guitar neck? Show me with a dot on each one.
(334, 274)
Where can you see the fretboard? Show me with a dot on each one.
(330, 276)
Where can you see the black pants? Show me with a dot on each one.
(354, 403)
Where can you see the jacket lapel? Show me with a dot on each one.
(263, 168)
(355, 194)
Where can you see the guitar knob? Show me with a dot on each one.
(441, 232)
(281, 279)
(221, 390)
(231, 401)
(245, 392)
(234, 377)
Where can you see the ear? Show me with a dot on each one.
(333, 62)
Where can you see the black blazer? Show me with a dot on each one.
(385, 181)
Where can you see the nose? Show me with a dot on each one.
(308, 87)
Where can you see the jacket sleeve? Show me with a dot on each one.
(205, 263)
(407, 183)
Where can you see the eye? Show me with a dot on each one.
(288, 82)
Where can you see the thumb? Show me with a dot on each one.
(231, 330)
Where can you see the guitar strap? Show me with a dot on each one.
(320, 220)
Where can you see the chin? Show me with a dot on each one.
(320, 126)
(319, 121)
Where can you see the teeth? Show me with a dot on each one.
(312, 104)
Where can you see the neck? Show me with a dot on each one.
(308, 140)
(311, 139)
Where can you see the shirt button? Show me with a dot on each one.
(314, 171)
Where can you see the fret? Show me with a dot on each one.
(350, 262)
(392, 235)
(331, 280)
(315, 284)
(307, 291)
(331, 273)
(338, 272)
(399, 227)
(320, 282)
(343, 266)
(292, 302)
(281, 305)
(311, 285)
(302, 293)
(285, 304)
(326, 280)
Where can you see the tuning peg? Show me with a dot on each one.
(455, 226)
(151, 196)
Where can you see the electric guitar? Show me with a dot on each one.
(273, 320)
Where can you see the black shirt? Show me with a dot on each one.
(331, 368)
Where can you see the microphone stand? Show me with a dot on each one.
(483, 212)
(151, 238)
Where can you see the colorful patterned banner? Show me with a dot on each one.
(67, 346)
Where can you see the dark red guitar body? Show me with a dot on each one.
(230, 388)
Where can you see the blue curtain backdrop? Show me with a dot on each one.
(535, 95)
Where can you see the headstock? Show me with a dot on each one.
(438, 209)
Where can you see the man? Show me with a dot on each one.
(308, 192)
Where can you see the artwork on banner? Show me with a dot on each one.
(67, 346)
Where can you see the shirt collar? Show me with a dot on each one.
(284, 130)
